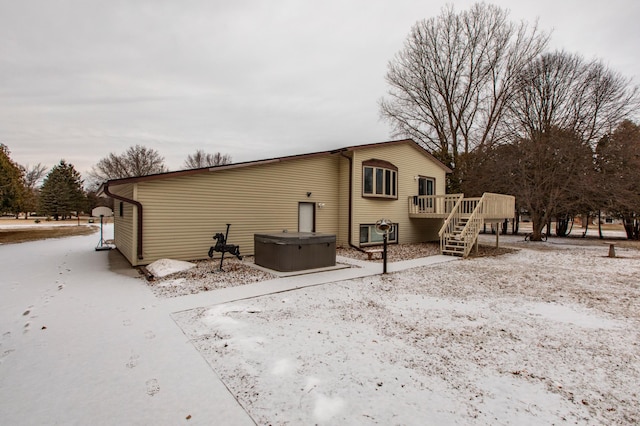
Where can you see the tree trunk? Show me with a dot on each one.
(629, 227)
(571, 228)
(539, 223)
(515, 225)
(600, 225)
(562, 225)
(632, 227)
(586, 226)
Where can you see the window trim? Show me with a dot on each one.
(383, 179)
(371, 229)
(427, 178)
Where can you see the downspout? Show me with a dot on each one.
(139, 206)
(349, 229)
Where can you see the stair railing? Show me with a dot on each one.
(447, 228)
(470, 232)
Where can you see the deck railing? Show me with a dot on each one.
(498, 206)
(471, 230)
(433, 204)
(489, 206)
(450, 224)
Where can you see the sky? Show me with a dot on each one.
(252, 79)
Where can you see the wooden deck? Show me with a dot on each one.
(462, 217)
(496, 206)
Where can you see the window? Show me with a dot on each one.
(369, 236)
(379, 179)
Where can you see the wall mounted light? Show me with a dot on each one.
(320, 205)
(308, 194)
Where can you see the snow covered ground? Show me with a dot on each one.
(535, 337)
(549, 334)
(83, 344)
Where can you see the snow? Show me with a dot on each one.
(96, 347)
(535, 337)
(163, 267)
(46, 224)
(546, 335)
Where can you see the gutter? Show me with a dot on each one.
(105, 189)
(349, 229)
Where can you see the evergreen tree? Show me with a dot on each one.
(11, 185)
(62, 192)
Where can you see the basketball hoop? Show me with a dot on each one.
(102, 212)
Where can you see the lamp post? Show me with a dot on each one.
(383, 227)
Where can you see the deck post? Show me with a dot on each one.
(497, 234)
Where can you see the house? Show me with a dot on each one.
(342, 192)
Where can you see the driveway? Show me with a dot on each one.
(82, 344)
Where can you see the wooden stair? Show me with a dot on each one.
(453, 244)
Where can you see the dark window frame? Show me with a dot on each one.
(393, 236)
(379, 179)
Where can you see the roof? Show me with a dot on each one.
(178, 173)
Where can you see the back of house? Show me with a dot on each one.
(341, 192)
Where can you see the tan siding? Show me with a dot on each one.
(124, 231)
(182, 214)
(411, 163)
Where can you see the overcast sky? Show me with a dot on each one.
(253, 79)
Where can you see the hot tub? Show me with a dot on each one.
(295, 251)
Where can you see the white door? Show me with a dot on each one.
(306, 217)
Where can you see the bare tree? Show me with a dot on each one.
(618, 161)
(561, 90)
(201, 159)
(560, 94)
(135, 161)
(453, 80)
(551, 176)
(32, 177)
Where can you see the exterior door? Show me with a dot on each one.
(306, 217)
(426, 187)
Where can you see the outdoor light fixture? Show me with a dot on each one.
(320, 205)
(384, 227)
(308, 194)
